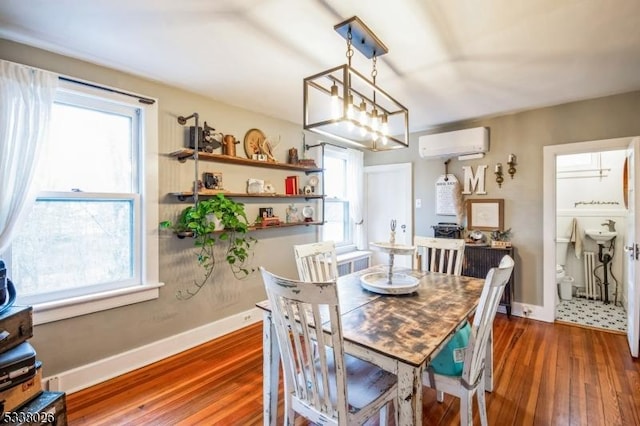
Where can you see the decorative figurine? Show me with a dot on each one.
(293, 156)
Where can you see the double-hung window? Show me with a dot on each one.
(88, 242)
(337, 226)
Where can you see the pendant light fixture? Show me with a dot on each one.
(345, 105)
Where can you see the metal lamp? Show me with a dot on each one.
(345, 105)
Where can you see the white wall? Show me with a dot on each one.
(592, 198)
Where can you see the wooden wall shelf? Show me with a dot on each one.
(283, 225)
(185, 154)
(187, 194)
(260, 228)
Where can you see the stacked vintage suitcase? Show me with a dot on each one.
(22, 399)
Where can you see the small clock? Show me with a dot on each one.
(307, 213)
(253, 140)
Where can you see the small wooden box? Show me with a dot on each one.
(500, 244)
(269, 221)
(21, 393)
(16, 326)
(48, 408)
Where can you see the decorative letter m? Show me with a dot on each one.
(472, 181)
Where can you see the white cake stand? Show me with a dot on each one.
(391, 282)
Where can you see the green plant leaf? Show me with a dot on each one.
(198, 219)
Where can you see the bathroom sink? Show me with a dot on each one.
(600, 236)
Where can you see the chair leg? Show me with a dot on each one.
(439, 396)
(466, 406)
(289, 418)
(482, 403)
(384, 415)
(289, 413)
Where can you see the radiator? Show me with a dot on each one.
(590, 286)
(477, 262)
(353, 262)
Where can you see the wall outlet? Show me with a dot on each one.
(418, 203)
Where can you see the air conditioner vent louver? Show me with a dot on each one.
(455, 143)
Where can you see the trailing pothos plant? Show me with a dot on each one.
(213, 222)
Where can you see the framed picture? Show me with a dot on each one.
(266, 212)
(212, 180)
(485, 214)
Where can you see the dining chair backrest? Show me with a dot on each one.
(316, 261)
(494, 285)
(296, 307)
(317, 373)
(473, 342)
(440, 254)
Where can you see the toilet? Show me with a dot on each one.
(565, 282)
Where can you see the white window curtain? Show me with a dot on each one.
(355, 176)
(26, 99)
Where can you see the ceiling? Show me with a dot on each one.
(448, 60)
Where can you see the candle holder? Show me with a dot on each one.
(512, 165)
(498, 174)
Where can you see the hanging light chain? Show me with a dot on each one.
(374, 74)
(350, 106)
(374, 70)
(349, 47)
(374, 111)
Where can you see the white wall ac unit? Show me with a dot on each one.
(468, 142)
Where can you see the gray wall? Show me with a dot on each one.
(74, 342)
(523, 134)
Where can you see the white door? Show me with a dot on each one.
(632, 239)
(388, 190)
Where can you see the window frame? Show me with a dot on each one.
(145, 204)
(136, 258)
(346, 245)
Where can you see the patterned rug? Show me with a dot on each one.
(592, 313)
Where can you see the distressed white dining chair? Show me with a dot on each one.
(316, 261)
(440, 254)
(326, 386)
(471, 380)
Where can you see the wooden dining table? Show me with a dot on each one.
(399, 333)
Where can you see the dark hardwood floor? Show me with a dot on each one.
(545, 374)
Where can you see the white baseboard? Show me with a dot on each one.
(96, 372)
(524, 310)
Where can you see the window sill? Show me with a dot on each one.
(353, 255)
(346, 249)
(73, 307)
